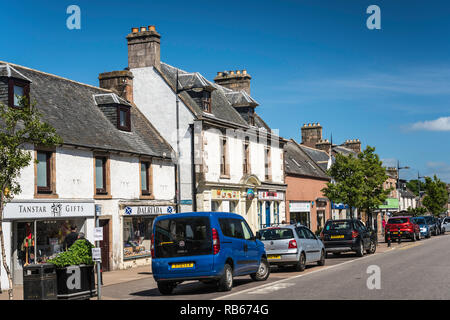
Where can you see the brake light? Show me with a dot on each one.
(216, 241)
(355, 234)
(292, 244)
(152, 247)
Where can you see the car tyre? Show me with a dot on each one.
(413, 237)
(263, 271)
(301, 264)
(166, 288)
(321, 262)
(360, 251)
(372, 248)
(226, 281)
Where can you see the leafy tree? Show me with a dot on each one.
(436, 195)
(18, 127)
(348, 177)
(413, 185)
(374, 175)
(419, 211)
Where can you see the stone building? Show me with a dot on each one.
(112, 158)
(230, 160)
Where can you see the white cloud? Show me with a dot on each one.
(440, 124)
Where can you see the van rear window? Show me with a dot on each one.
(180, 237)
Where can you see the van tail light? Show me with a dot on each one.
(152, 247)
(355, 234)
(216, 241)
(293, 244)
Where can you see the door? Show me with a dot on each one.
(23, 249)
(446, 224)
(233, 236)
(267, 214)
(250, 248)
(104, 245)
(365, 235)
(313, 245)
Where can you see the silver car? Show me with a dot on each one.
(445, 224)
(292, 245)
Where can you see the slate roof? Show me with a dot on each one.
(319, 156)
(70, 107)
(298, 162)
(221, 108)
(407, 194)
(344, 151)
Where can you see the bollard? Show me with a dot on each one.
(389, 238)
(399, 236)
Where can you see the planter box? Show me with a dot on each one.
(76, 282)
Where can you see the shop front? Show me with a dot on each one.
(300, 212)
(271, 208)
(225, 200)
(38, 230)
(137, 225)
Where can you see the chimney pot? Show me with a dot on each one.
(244, 71)
(143, 29)
(134, 30)
(151, 28)
(238, 72)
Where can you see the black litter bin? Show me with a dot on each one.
(39, 282)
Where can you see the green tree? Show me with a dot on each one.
(347, 179)
(436, 195)
(419, 211)
(18, 127)
(413, 185)
(374, 175)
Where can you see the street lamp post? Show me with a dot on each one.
(418, 183)
(398, 179)
(178, 191)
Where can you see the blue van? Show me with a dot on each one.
(205, 246)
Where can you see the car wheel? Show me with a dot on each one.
(419, 237)
(413, 237)
(263, 271)
(166, 287)
(226, 281)
(360, 251)
(301, 264)
(321, 262)
(372, 248)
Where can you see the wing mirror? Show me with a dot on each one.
(258, 235)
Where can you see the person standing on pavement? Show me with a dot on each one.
(70, 238)
(384, 224)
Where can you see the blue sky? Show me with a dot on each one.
(310, 61)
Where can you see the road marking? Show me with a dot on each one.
(273, 288)
(411, 246)
(294, 277)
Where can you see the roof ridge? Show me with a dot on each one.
(54, 76)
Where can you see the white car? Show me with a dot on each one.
(445, 225)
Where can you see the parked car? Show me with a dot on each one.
(403, 227)
(348, 235)
(446, 224)
(431, 221)
(292, 245)
(424, 228)
(206, 246)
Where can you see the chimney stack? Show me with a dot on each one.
(324, 145)
(354, 145)
(121, 82)
(144, 48)
(235, 80)
(311, 134)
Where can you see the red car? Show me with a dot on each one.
(403, 227)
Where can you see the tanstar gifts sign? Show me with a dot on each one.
(57, 209)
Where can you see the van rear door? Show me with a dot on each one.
(184, 244)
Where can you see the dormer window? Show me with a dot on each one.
(18, 89)
(206, 101)
(123, 118)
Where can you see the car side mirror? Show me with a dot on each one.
(258, 235)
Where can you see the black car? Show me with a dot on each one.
(348, 235)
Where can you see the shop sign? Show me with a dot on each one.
(270, 195)
(225, 194)
(98, 234)
(97, 254)
(149, 210)
(35, 210)
(299, 206)
(250, 194)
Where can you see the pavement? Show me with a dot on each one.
(113, 280)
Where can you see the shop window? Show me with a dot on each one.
(101, 175)
(146, 178)
(16, 91)
(137, 235)
(215, 205)
(124, 118)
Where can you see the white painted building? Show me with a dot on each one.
(111, 157)
(219, 170)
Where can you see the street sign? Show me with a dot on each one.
(98, 234)
(186, 202)
(97, 254)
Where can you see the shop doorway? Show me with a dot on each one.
(23, 249)
(300, 217)
(104, 245)
(267, 214)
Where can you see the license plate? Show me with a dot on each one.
(272, 256)
(394, 232)
(182, 265)
(337, 237)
